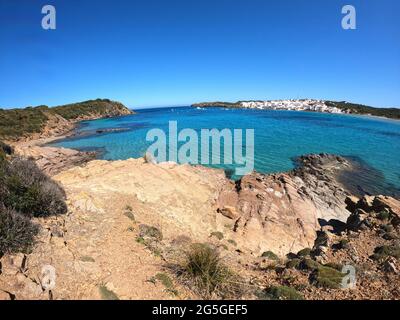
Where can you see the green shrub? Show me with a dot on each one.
(17, 232)
(333, 265)
(304, 252)
(129, 215)
(381, 253)
(293, 263)
(383, 215)
(29, 191)
(151, 232)
(86, 259)
(343, 244)
(284, 293)
(15, 123)
(208, 275)
(232, 242)
(270, 255)
(102, 107)
(19, 122)
(107, 294)
(219, 235)
(165, 280)
(327, 277)
(309, 264)
(25, 192)
(167, 283)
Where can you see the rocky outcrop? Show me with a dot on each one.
(282, 212)
(98, 244)
(115, 206)
(60, 123)
(367, 209)
(356, 261)
(52, 160)
(43, 122)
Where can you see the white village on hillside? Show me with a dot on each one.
(297, 105)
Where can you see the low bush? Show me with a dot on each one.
(383, 215)
(29, 191)
(217, 234)
(383, 252)
(107, 294)
(284, 293)
(293, 263)
(304, 252)
(270, 255)
(308, 264)
(344, 244)
(165, 280)
(17, 232)
(150, 232)
(208, 275)
(25, 192)
(327, 277)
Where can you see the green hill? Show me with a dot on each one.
(355, 108)
(15, 123)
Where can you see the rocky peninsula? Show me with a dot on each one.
(312, 105)
(30, 130)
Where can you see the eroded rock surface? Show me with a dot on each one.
(100, 248)
(52, 160)
(282, 212)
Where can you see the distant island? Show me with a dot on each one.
(45, 121)
(307, 105)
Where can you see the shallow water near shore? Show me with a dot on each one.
(280, 137)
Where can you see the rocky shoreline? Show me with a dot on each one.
(256, 224)
(53, 160)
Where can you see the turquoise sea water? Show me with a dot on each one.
(280, 136)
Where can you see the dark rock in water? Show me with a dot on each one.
(111, 130)
(361, 179)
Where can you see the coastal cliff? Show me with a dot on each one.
(257, 225)
(43, 122)
(29, 130)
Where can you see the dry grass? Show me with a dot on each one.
(17, 232)
(204, 272)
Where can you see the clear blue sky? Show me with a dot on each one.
(169, 52)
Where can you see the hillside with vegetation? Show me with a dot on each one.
(355, 108)
(217, 104)
(25, 192)
(345, 107)
(16, 123)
